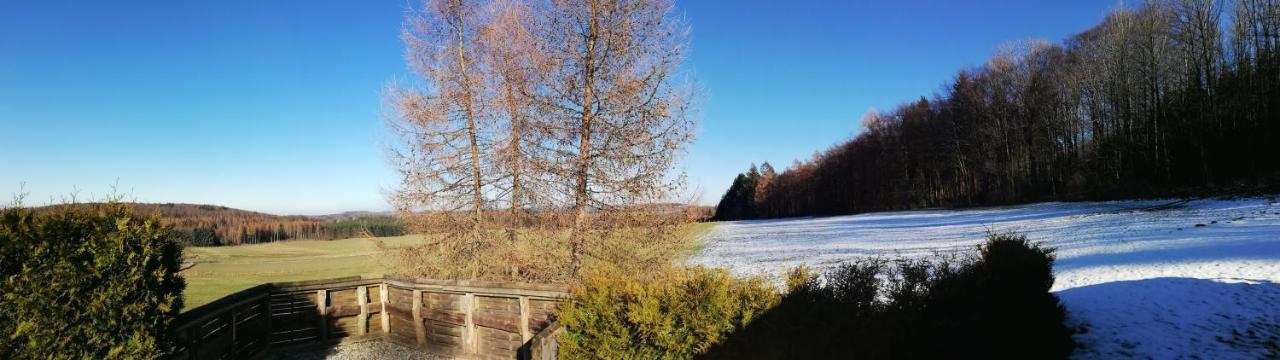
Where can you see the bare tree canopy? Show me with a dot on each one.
(617, 105)
(583, 100)
(445, 163)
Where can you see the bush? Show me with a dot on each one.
(676, 315)
(87, 282)
(995, 305)
(1000, 305)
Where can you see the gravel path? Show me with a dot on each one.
(364, 350)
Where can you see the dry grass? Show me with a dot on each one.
(219, 271)
(635, 243)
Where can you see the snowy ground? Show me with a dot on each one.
(1194, 280)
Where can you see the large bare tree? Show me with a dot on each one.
(444, 154)
(582, 100)
(509, 44)
(616, 105)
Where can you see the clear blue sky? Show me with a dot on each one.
(275, 106)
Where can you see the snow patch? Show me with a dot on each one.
(1148, 279)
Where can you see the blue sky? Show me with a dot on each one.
(275, 106)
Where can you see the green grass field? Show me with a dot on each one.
(222, 270)
(219, 271)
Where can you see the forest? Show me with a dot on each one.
(212, 225)
(1169, 98)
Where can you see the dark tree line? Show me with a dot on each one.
(214, 232)
(1159, 100)
(211, 225)
(739, 202)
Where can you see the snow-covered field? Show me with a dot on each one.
(1193, 280)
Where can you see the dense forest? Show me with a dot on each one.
(211, 225)
(1168, 98)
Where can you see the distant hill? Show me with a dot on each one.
(211, 225)
(354, 215)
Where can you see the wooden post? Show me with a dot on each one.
(266, 311)
(234, 340)
(322, 302)
(469, 334)
(419, 328)
(193, 342)
(386, 318)
(362, 320)
(525, 334)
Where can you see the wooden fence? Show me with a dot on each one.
(462, 319)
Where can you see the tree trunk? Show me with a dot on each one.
(516, 208)
(584, 148)
(474, 146)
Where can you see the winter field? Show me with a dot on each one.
(1144, 279)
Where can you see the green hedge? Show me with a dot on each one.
(672, 316)
(87, 283)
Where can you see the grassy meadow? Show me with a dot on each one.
(222, 270)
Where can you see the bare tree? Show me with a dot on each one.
(582, 100)
(1197, 30)
(509, 44)
(617, 105)
(443, 158)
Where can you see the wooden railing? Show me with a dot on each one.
(470, 319)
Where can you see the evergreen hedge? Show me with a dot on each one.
(673, 316)
(93, 282)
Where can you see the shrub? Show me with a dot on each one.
(86, 282)
(994, 305)
(675, 315)
(1000, 305)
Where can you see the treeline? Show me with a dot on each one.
(1155, 101)
(365, 225)
(211, 225)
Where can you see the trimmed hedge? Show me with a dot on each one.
(87, 283)
(673, 316)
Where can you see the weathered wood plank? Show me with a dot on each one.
(322, 302)
(343, 327)
(444, 328)
(495, 335)
(508, 322)
(418, 328)
(490, 303)
(452, 317)
(362, 299)
(445, 339)
(525, 333)
(544, 345)
(399, 312)
(337, 311)
(469, 308)
(468, 319)
(386, 318)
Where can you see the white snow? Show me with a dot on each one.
(1144, 280)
